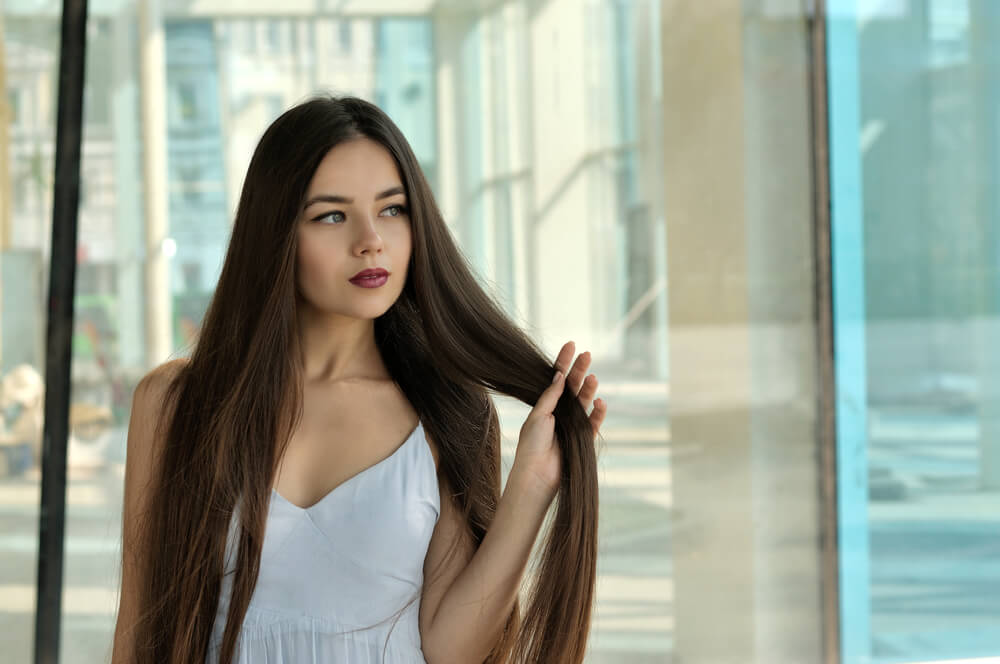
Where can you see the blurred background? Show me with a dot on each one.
(775, 224)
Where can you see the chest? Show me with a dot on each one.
(342, 433)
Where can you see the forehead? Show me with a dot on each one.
(357, 167)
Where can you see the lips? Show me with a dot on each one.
(370, 273)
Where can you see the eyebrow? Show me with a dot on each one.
(333, 198)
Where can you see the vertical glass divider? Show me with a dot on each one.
(826, 383)
(850, 362)
(59, 332)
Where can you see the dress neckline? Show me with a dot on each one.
(352, 478)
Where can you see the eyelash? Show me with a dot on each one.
(402, 210)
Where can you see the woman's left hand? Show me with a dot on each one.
(538, 454)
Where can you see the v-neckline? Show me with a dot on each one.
(352, 478)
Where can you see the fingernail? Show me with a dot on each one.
(555, 379)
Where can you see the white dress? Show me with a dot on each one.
(333, 576)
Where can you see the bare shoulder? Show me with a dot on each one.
(149, 408)
(149, 398)
(155, 383)
(141, 466)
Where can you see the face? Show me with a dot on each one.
(355, 217)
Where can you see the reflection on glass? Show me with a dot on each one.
(28, 73)
(925, 160)
(538, 129)
(575, 143)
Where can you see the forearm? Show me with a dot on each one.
(476, 606)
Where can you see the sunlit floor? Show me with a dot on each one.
(935, 538)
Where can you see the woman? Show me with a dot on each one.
(271, 513)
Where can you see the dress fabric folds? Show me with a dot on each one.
(340, 581)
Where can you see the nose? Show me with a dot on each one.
(368, 240)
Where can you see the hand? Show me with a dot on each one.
(538, 453)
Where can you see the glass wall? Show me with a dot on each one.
(28, 77)
(639, 176)
(745, 551)
(538, 125)
(914, 127)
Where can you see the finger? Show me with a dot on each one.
(549, 398)
(565, 356)
(598, 415)
(587, 392)
(575, 376)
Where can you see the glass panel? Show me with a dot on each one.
(554, 111)
(29, 66)
(914, 128)
(468, 88)
(745, 566)
(214, 84)
(557, 134)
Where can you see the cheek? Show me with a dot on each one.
(314, 265)
(403, 240)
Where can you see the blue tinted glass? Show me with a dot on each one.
(916, 223)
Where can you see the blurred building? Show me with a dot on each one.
(773, 222)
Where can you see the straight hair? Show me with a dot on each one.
(232, 408)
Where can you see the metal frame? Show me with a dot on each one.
(826, 429)
(59, 329)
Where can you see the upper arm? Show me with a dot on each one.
(443, 563)
(141, 462)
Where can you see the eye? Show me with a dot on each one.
(400, 210)
(331, 214)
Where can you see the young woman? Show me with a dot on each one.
(271, 513)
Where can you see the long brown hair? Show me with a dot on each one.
(237, 401)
